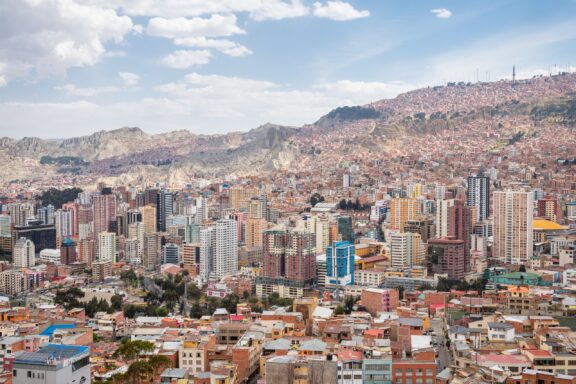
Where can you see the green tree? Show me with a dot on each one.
(522, 268)
(339, 310)
(69, 298)
(196, 311)
(117, 301)
(132, 349)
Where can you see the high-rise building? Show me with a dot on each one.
(5, 225)
(42, 235)
(425, 227)
(68, 252)
(442, 209)
(512, 227)
(12, 282)
(548, 209)
(24, 254)
(164, 208)
(133, 251)
(152, 243)
(46, 214)
(289, 254)
(191, 258)
(446, 255)
(104, 213)
(64, 222)
(171, 254)
(254, 231)
(226, 252)
(402, 210)
(340, 264)
(478, 195)
(149, 218)
(201, 211)
(73, 208)
(461, 221)
(106, 247)
(207, 251)
(406, 250)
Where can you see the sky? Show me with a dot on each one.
(74, 67)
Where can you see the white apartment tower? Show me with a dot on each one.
(512, 226)
(24, 254)
(226, 260)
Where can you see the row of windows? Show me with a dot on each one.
(30, 374)
(417, 371)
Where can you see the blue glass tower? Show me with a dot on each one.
(340, 263)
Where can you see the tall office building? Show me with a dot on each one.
(64, 222)
(512, 227)
(289, 254)
(424, 226)
(461, 221)
(478, 194)
(42, 235)
(152, 243)
(148, 218)
(46, 214)
(5, 225)
(171, 254)
(207, 251)
(446, 255)
(24, 254)
(442, 209)
(548, 209)
(106, 247)
(402, 210)
(104, 213)
(406, 250)
(73, 208)
(226, 252)
(68, 252)
(254, 231)
(192, 233)
(201, 211)
(340, 264)
(164, 208)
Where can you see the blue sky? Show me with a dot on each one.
(73, 67)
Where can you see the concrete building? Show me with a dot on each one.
(104, 212)
(106, 247)
(24, 254)
(402, 210)
(478, 195)
(226, 251)
(53, 364)
(289, 254)
(406, 250)
(171, 254)
(164, 208)
(12, 282)
(50, 256)
(379, 300)
(446, 256)
(513, 215)
(148, 218)
(340, 264)
(207, 251)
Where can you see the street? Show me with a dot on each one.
(444, 356)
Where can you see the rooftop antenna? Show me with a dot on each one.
(513, 74)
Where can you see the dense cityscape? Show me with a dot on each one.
(287, 192)
(440, 263)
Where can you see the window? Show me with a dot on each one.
(14, 373)
(29, 374)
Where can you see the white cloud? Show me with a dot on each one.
(186, 59)
(277, 10)
(442, 13)
(129, 79)
(3, 81)
(214, 26)
(227, 47)
(257, 9)
(46, 37)
(72, 90)
(338, 10)
(200, 103)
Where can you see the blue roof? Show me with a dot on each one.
(51, 329)
(51, 353)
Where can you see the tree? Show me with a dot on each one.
(161, 311)
(196, 311)
(348, 305)
(193, 291)
(522, 268)
(132, 349)
(69, 298)
(315, 199)
(339, 310)
(342, 204)
(117, 301)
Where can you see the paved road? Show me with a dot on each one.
(444, 356)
